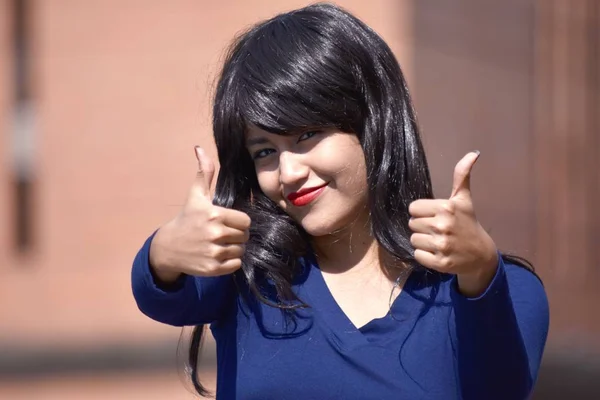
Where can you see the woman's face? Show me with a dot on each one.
(318, 177)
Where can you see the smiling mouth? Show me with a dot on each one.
(305, 196)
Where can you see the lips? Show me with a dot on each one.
(305, 196)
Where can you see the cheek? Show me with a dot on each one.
(352, 171)
(269, 184)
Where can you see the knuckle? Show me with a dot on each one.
(443, 245)
(210, 266)
(216, 232)
(442, 226)
(214, 214)
(446, 263)
(215, 252)
(448, 206)
(200, 183)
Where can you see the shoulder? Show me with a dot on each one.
(521, 275)
(525, 285)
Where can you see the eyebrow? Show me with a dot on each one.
(255, 141)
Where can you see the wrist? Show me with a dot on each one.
(474, 284)
(159, 264)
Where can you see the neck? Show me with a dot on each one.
(353, 250)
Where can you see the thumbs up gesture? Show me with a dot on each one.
(448, 238)
(204, 239)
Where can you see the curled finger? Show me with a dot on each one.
(233, 236)
(422, 241)
(231, 251)
(231, 265)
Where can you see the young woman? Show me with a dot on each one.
(323, 265)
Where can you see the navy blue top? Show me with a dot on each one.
(433, 344)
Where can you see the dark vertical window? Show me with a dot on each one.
(22, 129)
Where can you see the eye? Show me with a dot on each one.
(307, 135)
(261, 153)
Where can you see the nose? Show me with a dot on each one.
(291, 168)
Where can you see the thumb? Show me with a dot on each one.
(462, 174)
(204, 176)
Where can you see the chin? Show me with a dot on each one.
(317, 231)
(317, 226)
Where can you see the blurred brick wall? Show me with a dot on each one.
(122, 94)
(519, 80)
(5, 99)
(473, 86)
(567, 150)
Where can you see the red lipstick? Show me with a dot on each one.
(305, 196)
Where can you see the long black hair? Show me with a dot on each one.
(318, 66)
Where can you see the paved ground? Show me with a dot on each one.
(129, 386)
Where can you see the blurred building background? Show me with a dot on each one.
(101, 103)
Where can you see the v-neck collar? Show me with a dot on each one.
(345, 334)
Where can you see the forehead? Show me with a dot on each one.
(253, 135)
(254, 131)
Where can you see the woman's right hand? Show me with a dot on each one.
(204, 239)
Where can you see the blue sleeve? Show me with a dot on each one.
(500, 335)
(190, 301)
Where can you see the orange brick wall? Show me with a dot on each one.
(5, 98)
(122, 94)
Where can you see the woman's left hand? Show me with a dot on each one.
(448, 238)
